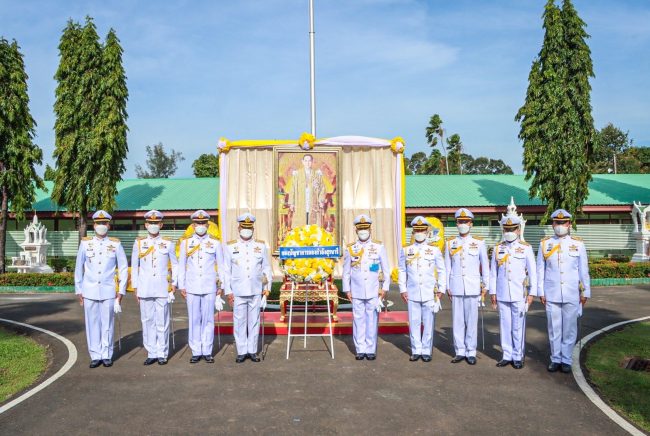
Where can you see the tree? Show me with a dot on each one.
(635, 160)
(435, 164)
(455, 149)
(556, 125)
(484, 165)
(90, 129)
(18, 153)
(50, 173)
(434, 131)
(609, 142)
(159, 163)
(416, 161)
(206, 165)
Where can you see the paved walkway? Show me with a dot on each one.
(310, 393)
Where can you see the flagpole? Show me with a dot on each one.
(311, 67)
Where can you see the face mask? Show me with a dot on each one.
(463, 228)
(153, 229)
(561, 230)
(419, 236)
(246, 233)
(363, 235)
(509, 236)
(201, 230)
(101, 229)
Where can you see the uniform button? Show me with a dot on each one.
(561, 283)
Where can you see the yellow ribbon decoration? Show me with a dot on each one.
(503, 260)
(394, 145)
(193, 250)
(553, 250)
(141, 255)
(358, 254)
(454, 252)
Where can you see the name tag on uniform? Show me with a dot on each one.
(374, 267)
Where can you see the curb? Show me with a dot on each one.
(38, 289)
(588, 390)
(620, 281)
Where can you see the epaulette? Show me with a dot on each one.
(544, 238)
(86, 238)
(451, 238)
(375, 241)
(167, 238)
(140, 238)
(232, 241)
(577, 238)
(523, 242)
(433, 244)
(477, 238)
(259, 241)
(351, 244)
(114, 239)
(213, 237)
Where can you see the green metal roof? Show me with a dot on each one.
(421, 191)
(496, 190)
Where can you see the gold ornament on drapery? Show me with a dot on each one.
(397, 144)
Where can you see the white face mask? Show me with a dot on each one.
(363, 235)
(153, 229)
(420, 236)
(561, 230)
(246, 233)
(201, 230)
(510, 236)
(101, 229)
(463, 228)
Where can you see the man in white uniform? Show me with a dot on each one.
(199, 270)
(468, 272)
(365, 265)
(422, 280)
(512, 273)
(151, 258)
(94, 277)
(248, 276)
(563, 285)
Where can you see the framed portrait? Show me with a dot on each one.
(306, 190)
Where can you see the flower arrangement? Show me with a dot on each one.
(306, 141)
(310, 270)
(223, 145)
(397, 145)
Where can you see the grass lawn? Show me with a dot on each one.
(22, 361)
(627, 391)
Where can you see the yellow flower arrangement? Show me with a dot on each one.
(306, 141)
(397, 144)
(311, 270)
(223, 145)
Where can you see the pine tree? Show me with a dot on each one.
(18, 153)
(555, 121)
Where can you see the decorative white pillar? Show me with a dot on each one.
(641, 232)
(512, 212)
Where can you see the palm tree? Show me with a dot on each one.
(435, 131)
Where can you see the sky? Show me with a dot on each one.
(198, 70)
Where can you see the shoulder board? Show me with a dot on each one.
(577, 238)
(523, 242)
(433, 244)
(545, 238)
(232, 241)
(375, 241)
(86, 238)
(259, 241)
(213, 237)
(478, 238)
(140, 238)
(451, 238)
(114, 239)
(351, 244)
(167, 238)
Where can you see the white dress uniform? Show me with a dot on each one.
(468, 269)
(151, 258)
(562, 271)
(363, 262)
(199, 268)
(247, 273)
(98, 260)
(512, 273)
(421, 274)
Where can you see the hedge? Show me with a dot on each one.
(34, 279)
(604, 269)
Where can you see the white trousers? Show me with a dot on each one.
(154, 314)
(364, 324)
(246, 320)
(421, 319)
(465, 324)
(99, 328)
(511, 323)
(200, 313)
(562, 330)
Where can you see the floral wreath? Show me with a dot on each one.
(306, 141)
(397, 144)
(309, 270)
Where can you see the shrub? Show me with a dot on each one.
(606, 269)
(33, 279)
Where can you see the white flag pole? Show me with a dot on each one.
(312, 67)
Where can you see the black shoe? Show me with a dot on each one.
(457, 359)
(426, 358)
(95, 363)
(503, 362)
(162, 361)
(359, 356)
(517, 364)
(414, 357)
(566, 368)
(553, 367)
(471, 360)
(254, 357)
(240, 358)
(150, 361)
(371, 356)
(195, 359)
(208, 359)
(107, 363)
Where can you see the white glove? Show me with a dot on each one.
(218, 303)
(437, 305)
(579, 310)
(380, 305)
(170, 297)
(263, 302)
(481, 303)
(526, 307)
(117, 308)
